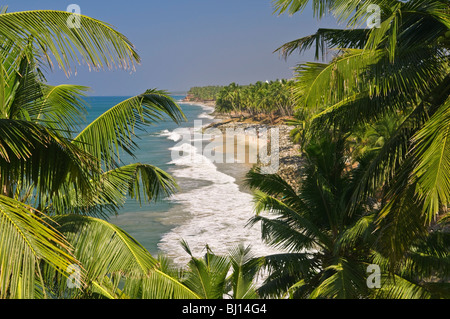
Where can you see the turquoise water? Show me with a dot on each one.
(208, 209)
(143, 222)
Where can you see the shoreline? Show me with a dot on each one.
(212, 207)
(290, 161)
(236, 170)
(216, 211)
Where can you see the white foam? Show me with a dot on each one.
(205, 116)
(218, 214)
(175, 135)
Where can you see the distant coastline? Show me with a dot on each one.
(192, 100)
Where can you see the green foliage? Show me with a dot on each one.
(204, 93)
(97, 44)
(275, 97)
(109, 258)
(52, 178)
(374, 125)
(329, 243)
(216, 277)
(322, 236)
(27, 240)
(386, 92)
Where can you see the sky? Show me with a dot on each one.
(186, 43)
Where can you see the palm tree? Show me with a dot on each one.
(273, 98)
(329, 245)
(314, 227)
(227, 100)
(113, 265)
(372, 137)
(401, 69)
(96, 43)
(217, 277)
(49, 173)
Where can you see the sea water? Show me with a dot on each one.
(209, 208)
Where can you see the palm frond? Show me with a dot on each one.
(289, 215)
(291, 7)
(326, 84)
(271, 184)
(359, 232)
(106, 251)
(245, 268)
(63, 107)
(34, 154)
(95, 43)
(283, 234)
(285, 270)
(113, 131)
(399, 288)
(346, 282)
(142, 182)
(26, 241)
(432, 150)
(325, 39)
(385, 163)
(400, 224)
(207, 276)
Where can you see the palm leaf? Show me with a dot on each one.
(26, 97)
(285, 270)
(359, 232)
(138, 181)
(115, 129)
(325, 39)
(292, 217)
(106, 251)
(399, 288)
(62, 107)
(400, 224)
(207, 276)
(346, 282)
(326, 84)
(382, 166)
(245, 268)
(96, 43)
(26, 241)
(34, 154)
(320, 7)
(281, 234)
(432, 151)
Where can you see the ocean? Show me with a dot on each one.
(210, 208)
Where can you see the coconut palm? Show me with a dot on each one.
(48, 170)
(227, 99)
(109, 257)
(273, 98)
(372, 137)
(204, 93)
(95, 43)
(312, 226)
(328, 245)
(402, 69)
(216, 277)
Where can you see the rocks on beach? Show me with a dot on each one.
(290, 161)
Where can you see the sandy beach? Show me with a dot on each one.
(217, 210)
(290, 161)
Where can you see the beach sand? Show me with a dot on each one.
(238, 151)
(216, 213)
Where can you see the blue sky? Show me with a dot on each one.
(185, 43)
